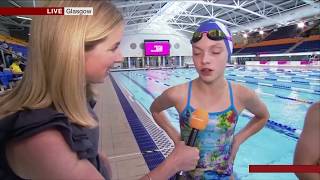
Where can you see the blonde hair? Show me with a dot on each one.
(55, 74)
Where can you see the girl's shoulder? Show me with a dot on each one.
(177, 90)
(181, 87)
(240, 89)
(242, 95)
(174, 95)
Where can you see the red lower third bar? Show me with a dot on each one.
(284, 168)
(31, 11)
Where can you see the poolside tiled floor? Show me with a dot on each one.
(116, 138)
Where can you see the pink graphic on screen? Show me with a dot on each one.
(157, 48)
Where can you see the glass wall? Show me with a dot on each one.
(152, 62)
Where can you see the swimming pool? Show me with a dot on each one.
(287, 93)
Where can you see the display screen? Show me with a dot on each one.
(157, 48)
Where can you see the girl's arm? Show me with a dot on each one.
(166, 100)
(251, 102)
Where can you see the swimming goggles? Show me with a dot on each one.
(215, 35)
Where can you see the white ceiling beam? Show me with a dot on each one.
(141, 3)
(146, 11)
(190, 24)
(136, 24)
(273, 5)
(131, 12)
(172, 9)
(14, 3)
(233, 11)
(209, 17)
(139, 16)
(15, 24)
(251, 12)
(285, 17)
(205, 7)
(312, 3)
(194, 6)
(185, 30)
(219, 5)
(237, 3)
(238, 7)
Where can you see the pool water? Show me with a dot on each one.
(287, 93)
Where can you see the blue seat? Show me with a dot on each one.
(4, 80)
(8, 74)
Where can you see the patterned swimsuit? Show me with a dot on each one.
(214, 142)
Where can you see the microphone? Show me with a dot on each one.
(199, 120)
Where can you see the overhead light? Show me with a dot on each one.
(26, 18)
(300, 25)
(245, 35)
(261, 32)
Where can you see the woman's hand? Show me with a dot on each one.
(184, 157)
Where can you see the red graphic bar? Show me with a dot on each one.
(284, 168)
(32, 11)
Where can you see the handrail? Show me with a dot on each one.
(8, 52)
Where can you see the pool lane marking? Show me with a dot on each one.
(263, 84)
(278, 127)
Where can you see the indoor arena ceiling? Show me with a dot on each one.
(238, 15)
(184, 16)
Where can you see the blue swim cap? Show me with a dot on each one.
(211, 25)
